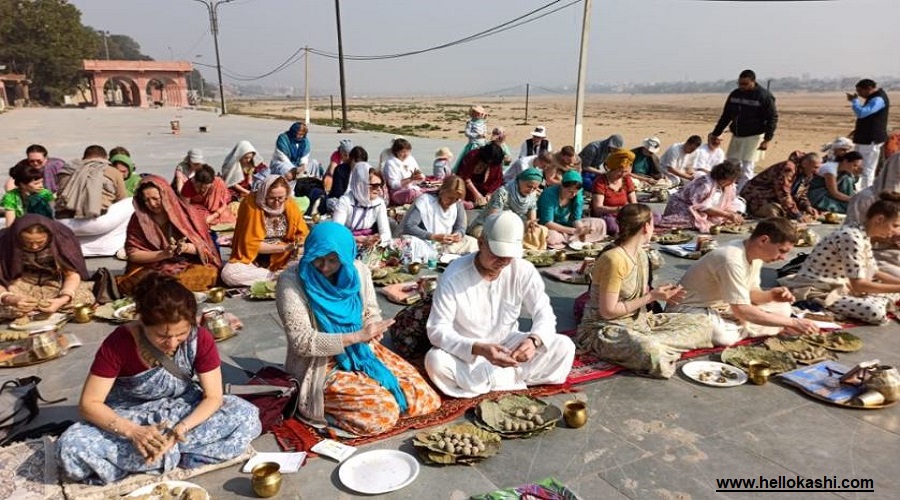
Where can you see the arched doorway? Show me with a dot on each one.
(156, 92)
(121, 91)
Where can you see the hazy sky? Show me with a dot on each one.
(631, 40)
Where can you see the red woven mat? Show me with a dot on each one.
(294, 435)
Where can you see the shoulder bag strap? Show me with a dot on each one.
(166, 362)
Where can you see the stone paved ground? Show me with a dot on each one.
(645, 438)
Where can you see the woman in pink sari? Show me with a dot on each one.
(207, 194)
(707, 201)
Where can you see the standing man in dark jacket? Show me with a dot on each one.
(870, 105)
(751, 117)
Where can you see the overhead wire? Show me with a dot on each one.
(512, 23)
(302, 51)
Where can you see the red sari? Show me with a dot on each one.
(196, 272)
(216, 197)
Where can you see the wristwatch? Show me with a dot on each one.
(535, 340)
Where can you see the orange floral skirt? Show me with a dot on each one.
(358, 404)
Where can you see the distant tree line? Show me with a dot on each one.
(782, 84)
(46, 41)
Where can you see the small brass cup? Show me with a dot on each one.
(266, 479)
(82, 313)
(414, 268)
(759, 372)
(216, 295)
(575, 414)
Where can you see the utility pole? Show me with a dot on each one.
(582, 75)
(212, 7)
(337, 11)
(527, 91)
(200, 99)
(306, 82)
(105, 43)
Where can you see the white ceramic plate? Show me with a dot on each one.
(44, 325)
(379, 471)
(694, 369)
(448, 258)
(121, 312)
(576, 245)
(170, 484)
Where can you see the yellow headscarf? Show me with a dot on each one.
(619, 159)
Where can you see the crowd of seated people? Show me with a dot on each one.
(58, 213)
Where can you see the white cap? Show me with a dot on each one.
(195, 156)
(652, 144)
(503, 233)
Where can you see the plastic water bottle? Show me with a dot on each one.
(406, 251)
(433, 257)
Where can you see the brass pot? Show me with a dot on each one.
(714, 230)
(414, 268)
(560, 256)
(215, 295)
(82, 313)
(759, 372)
(575, 414)
(266, 479)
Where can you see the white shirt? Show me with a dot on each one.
(523, 150)
(830, 167)
(468, 308)
(707, 158)
(674, 157)
(345, 210)
(395, 170)
(520, 165)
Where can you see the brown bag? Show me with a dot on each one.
(105, 287)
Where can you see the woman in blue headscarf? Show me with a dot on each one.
(333, 325)
(293, 146)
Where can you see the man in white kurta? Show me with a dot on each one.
(474, 321)
(725, 284)
(708, 156)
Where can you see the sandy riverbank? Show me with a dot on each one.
(807, 120)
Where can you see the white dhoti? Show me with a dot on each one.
(726, 332)
(105, 235)
(745, 150)
(459, 379)
(240, 274)
(870, 154)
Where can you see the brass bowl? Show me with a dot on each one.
(560, 256)
(714, 230)
(215, 295)
(82, 313)
(414, 268)
(575, 414)
(759, 371)
(266, 479)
